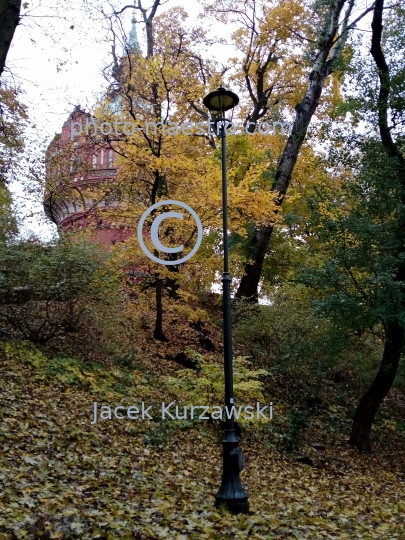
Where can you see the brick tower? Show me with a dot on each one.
(77, 174)
(79, 170)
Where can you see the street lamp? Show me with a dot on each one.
(231, 492)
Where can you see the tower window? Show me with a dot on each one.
(102, 157)
(110, 158)
(94, 160)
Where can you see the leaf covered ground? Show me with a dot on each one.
(62, 477)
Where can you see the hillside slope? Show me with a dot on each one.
(65, 478)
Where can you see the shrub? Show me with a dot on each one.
(62, 294)
(205, 386)
(301, 348)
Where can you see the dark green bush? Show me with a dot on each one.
(303, 350)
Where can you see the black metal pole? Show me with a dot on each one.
(231, 493)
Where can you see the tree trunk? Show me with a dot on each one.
(248, 286)
(9, 19)
(372, 399)
(157, 189)
(158, 332)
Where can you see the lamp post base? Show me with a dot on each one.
(234, 506)
(231, 493)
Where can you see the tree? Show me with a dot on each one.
(9, 20)
(159, 162)
(7, 220)
(360, 224)
(394, 322)
(13, 118)
(325, 51)
(270, 71)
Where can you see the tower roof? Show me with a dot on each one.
(133, 43)
(77, 109)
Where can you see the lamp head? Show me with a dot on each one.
(221, 100)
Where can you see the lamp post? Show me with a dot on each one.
(231, 492)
